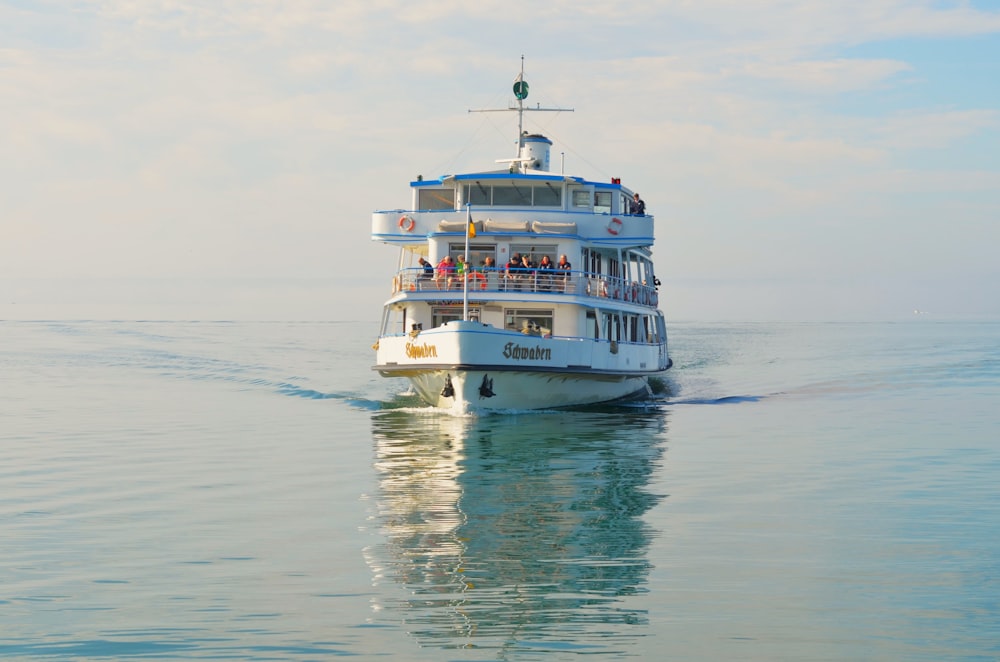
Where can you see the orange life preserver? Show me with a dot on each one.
(406, 223)
(475, 275)
(614, 226)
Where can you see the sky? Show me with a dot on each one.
(804, 159)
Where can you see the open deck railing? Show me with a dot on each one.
(486, 281)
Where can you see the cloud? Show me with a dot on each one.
(827, 76)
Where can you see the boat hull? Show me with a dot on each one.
(473, 390)
(468, 366)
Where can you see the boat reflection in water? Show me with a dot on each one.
(518, 533)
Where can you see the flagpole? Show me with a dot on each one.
(465, 295)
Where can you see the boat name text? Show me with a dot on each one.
(424, 351)
(518, 353)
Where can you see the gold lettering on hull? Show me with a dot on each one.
(424, 351)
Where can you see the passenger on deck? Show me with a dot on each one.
(565, 267)
(445, 272)
(489, 274)
(545, 273)
(426, 274)
(527, 272)
(512, 271)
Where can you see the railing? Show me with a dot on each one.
(484, 281)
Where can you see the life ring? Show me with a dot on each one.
(614, 226)
(475, 275)
(406, 223)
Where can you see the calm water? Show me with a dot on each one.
(254, 491)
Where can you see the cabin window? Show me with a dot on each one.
(592, 261)
(625, 204)
(511, 196)
(547, 196)
(477, 194)
(592, 329)
(435, 199)
(613, 325)
(581, 199)
(444, 314)
(526, 320)
(602, 202)
(477, 253)
(535, 252)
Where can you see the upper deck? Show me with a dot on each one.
(516, 203)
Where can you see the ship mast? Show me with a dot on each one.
(520, 93)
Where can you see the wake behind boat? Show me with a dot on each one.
(521, 288)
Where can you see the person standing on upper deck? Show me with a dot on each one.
(638, 207)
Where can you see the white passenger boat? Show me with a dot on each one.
(472, 330)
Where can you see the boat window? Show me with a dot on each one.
(547, 196)
(536, 251)
(602, 202)
(477, 194)
(443, 314)
(581, 199)
(614, 269)
(613, 325)
(519, 196)
(592, 330)
(515, 195)
(435, 199)
(538, 322)
(592, 261)
(477, 253)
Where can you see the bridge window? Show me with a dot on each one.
(435, 199)
(581, 199)
(513, 195)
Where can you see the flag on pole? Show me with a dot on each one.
(470, 231)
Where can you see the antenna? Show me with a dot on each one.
(520, 93)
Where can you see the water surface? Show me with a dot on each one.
(254, 491)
